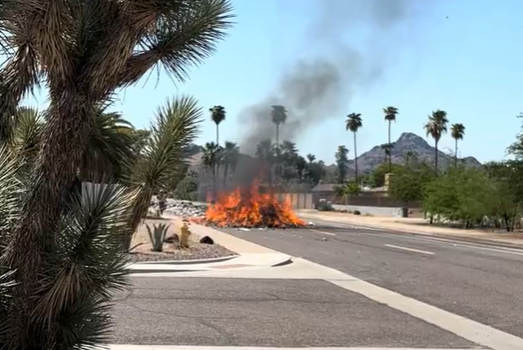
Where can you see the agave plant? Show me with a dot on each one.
(157, 236)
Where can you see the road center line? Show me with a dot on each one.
(323, 232)
(409, 249)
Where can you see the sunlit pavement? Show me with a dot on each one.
(265, 313)
(367, 289)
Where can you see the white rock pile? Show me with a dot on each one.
(183, 208)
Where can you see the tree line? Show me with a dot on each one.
(436, 126)
(488, 196)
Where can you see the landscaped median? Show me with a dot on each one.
(226, 252)
(417, 226)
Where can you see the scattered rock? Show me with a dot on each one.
(172, 239)
(206, 240)
(182, 208)
(356, 212)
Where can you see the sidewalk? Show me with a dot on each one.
(416, 226)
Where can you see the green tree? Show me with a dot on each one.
(82, 52)
(391, 113)
(187, 188)
(436, 126)
(217, 116)
(265, 153)
(507, 177)
(212, 157)
(457, 131)
(408, 182)
(342, 163)
(377, 176)
(231, 156)
(278, 117)
(461, 194)
(353, 123)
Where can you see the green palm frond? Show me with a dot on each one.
(86, 268)
(110, 150)
(218, 114)
(353, 122)
(278, 114)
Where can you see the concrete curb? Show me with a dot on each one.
(464, 239)
(250, 261)
(189, 262)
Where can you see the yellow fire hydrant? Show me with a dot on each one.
(184, 235)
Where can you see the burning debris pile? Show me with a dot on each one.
(250, 208)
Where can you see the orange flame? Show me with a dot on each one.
(251, 209)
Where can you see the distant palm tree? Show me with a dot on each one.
(457, 132)
(353, 123)
(436, 126)
(231, 154)
(279, 117)
(265, 152)
(390, 116)
(217, 116)
(212, 155)
(387, 149)
(311, 158)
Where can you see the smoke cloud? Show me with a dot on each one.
(318, 88)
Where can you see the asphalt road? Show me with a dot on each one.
(479, 282)
(256, 312)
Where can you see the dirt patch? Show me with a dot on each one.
(171, 251)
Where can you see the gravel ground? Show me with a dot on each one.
(196, 250)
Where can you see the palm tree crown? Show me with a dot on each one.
(390, 113)
(457, 131)
(436, 126)
(353, 122)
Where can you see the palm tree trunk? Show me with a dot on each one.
(276, 166)
(225, 173)
(456, 153)
(217, 134)
(215, 192)
(390, 149)
(436, 156)
(355, 157)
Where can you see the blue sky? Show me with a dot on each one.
(468, 64)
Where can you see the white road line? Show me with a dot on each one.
(409, 249)
(184, 347)
(428, 238)
(323, 232)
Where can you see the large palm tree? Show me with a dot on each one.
(457, 131)
(391, 114)
(436, 126)
(212, 157)
(266, 154)
(353, 123)
(217, 116)
(278, 117)
(82, 52)
(231, 155)
(109, 153)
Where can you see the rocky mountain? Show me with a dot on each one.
(408, 144)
